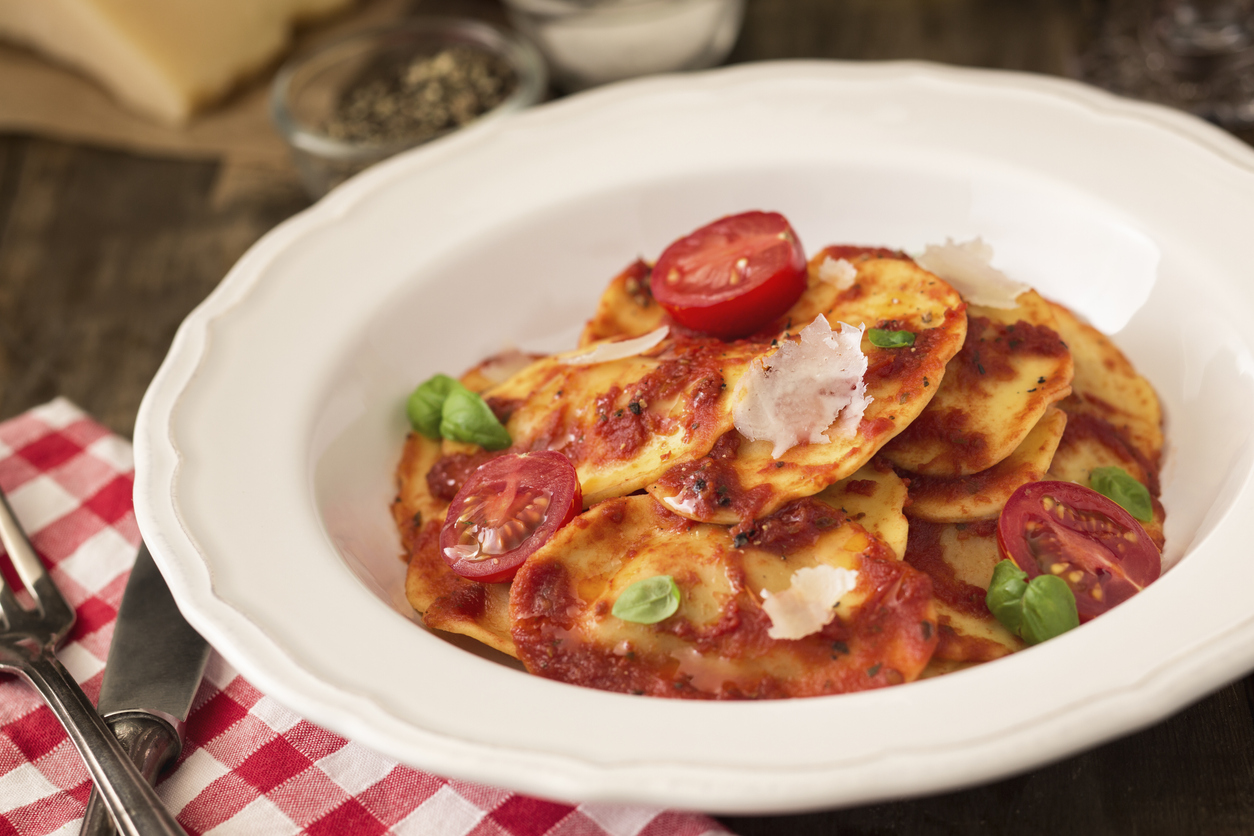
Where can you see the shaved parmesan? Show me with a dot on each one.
(968, 268)
(809, 603)
(605, 352)
(505, 365)
(838, 271)
(807, 392)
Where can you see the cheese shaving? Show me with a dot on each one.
(505, 365)
(605, 352)
(968, 268)
(839, 272)
(807, 392)
(809, 603)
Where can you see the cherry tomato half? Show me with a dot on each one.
(507, 509)
(732, 277)
(1068, 530)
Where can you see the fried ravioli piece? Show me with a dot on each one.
(1012, 366)
(981, 496)
(1107, 386)
(445, 600)
(415, 504)
(717, 645)
(874, 497)
(889, 293)
(1114, 417)
(626, 308)
(623, 423)
(1090, 443)
(497, 369)
(959, 558)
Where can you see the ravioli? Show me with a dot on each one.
(1012, 366)
(1114, 417)
(626, 308)
(717, 645)
(1106, 386)
(959, 559)
(981, 496)
(444, 600)
(623, 423)
(741, 480)
(1090, 443)
(897, 522)
(875, 498)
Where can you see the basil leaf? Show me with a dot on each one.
(466, 417)
(1117, 484)
(1005, 595)
(1048, 609)
(648, 601)
(425, 406)
(890, 339)
(1033, 610)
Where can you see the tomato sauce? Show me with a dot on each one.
(691, 369)
(710, 484)
(449, 473)
(951, 428)
(1082, 425)
(851, 252)
(503, 408)
(886, 641)
(924, 552)
(958, 647)
(953, 489)
(795, 526)
(991, 348)
(903, 366)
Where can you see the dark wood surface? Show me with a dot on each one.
(102, 254)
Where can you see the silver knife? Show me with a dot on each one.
(154, 668)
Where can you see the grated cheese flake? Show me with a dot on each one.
(605, 352)
(968, 268)
(807, 392)
(809, 603)
(838, 271)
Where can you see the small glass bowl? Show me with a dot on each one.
(592, 42)
(308, 100)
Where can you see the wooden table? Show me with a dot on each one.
(103, 253)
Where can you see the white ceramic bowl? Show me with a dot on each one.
(266, 445)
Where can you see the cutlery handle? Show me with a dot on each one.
(152, 745)
(134, 804)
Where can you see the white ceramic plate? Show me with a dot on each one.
(266, 444)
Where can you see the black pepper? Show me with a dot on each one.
(421, 98)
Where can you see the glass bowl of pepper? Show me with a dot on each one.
(350, 103)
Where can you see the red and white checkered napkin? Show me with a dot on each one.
(249, 765)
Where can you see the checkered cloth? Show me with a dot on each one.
(249, 766)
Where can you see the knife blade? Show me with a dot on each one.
(156, 661)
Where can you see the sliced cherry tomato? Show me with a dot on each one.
(732, 277)
(507, 509)
(1068, 530)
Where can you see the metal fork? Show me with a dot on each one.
(28, 642)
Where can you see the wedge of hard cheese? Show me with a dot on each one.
(163, 58)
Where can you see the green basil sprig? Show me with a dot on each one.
(1034, 610)
(1117, 484)
(426, 404)
(443, 408)
(648, 601)
(890, 339)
